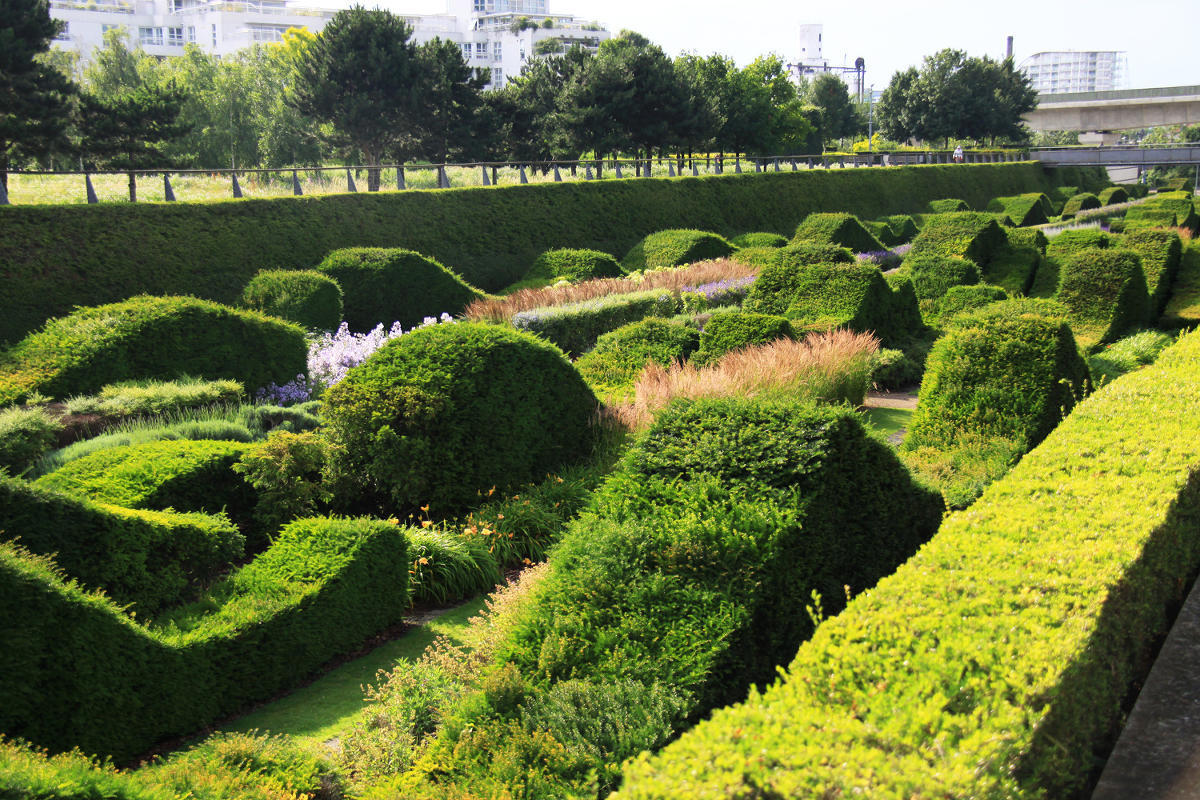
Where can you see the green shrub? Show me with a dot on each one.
(963, 469)
(306, 297)
(1161, 251)
(881, 231)
(843, 230)
(675, 248)
(442, 412)
(25, 435)
(758, 239)
(1183, 309)
(1181, 204)
(1067, 243)
(1027, 237)
(264, 418)
(145, 558)
(903, 228)
(448, 567)
(620, 356)
(947, 206)
(796, 254)
(974, 671)
(1126, 355)
(1061, 194)
(382, 285)
(1105, 292)
(1000, 373)
(1015, 269)
(285, 472)
(151, 337)
(79, 673)
(892, 370)
(1113, 195)
(731, 330)
(932, 276)
(1080, 202)
(969, 235)
(1151, 216)
(1031, 208)
(573, 265)
(958, 299)
(148, 397)
(575, 327)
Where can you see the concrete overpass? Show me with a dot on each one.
(1119, 156)
(1099, 114)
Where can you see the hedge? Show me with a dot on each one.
(795, 254)
(53, 258)
(574, 266)
(958, 299)
(932, 276)
(1080, 202)
(145, 558)
(151, 337)
(675, 248)
(575, 327)
(998, 661)
(966, 234)
(1031, 208)
(1069, 242)
(303, 296)
(620, 356)
(840, 229)
(1182, 204)
(947, 205)
(903, 227)
(26, 434)
(438, 415)
(79, 673)
(1183, 309)
(1151, 216)
(1113, 195)
(758, 239)
(382, 285)
(726, 331)
(1105, 291)
(1161, 250)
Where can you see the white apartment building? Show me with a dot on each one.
(500, 35)
(1062, 71)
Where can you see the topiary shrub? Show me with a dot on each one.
(443, 412)
(758, 239)
(1128, 354)
(574, 266)
(958, 299)
(1161, 250)
(795, 254)
(843, 230)
(575, 327)
(948, 206)
(1105, 293)
(675, 248)
(972, 235)
(25, 435)
(306, 297)
(1068, 242)
(1080, 202)
(386, 285)
(1015, 269)
(726, 331)
(151, 337)
(621, 355)
(1032, 208)
(1113, 195)
(903, 228)
(932, 275)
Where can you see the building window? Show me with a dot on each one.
(497, 51)
(214, 35)
(466, 50)
(192, 34)
(498, 78)
(481, 49)
(175, 37)
(150, 36)
(479, 6)
(106, 27)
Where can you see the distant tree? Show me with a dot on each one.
(35, 98)
(132, 129)
(451, 100)
(839, 119)
(113, 67)
(1191, 133)
(898, 112)
(789, 128)
(361, 76)
(530, 110)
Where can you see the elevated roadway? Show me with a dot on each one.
(1124, 109)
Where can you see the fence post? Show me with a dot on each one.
(237, 187)
(486, 180)
(91, 190)
(3, 194)
(400, 185)
(557, 175)
(443, 178)
(350, 187)
(296, 190)
(737, 166)
(618, 165)
(670, 169)
(695, 170)
(132, 188)
(524, 177)
(168, 193)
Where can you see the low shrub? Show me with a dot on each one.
(961, 470)
(1181, 204)
(145, 558)
(731, 330)
(1027, 209)
(1152, 217)
(1160, 251)
(574, 266)
(285, 473)
(675, 248)
(843, 230)
(306, 297)
(932, 276)
(706, 296)
(1080, 202)
(149, 397)
(903, 228)
(440, 413)
(947, 206)
(1105, 292)
(619, 357)
(150, 337)
(1113, 195)
(970, 235)
(893, 370)
(958, 299)
(384, 285)
(1027, 237)
(448, 567)
(1068, 242)
(758, 239)
(26, 434)
(999, 660)
(1126, 355)
(575, 327)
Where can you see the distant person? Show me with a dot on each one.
(958, 155)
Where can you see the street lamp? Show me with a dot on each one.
(870, 114)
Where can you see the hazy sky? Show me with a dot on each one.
(1160, 36)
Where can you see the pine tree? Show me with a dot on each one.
(131, 130)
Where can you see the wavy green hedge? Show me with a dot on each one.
(726, 331)
(80, 673)
(675, 248)
(575, 327)
(843, 230)
(1031, 208)
(1105, 292)
(302, 296)
(1161, 251)
(996, 662)
(620, 356)
(53, 258)
(967, 234)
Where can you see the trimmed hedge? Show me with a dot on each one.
(997, 662)
(1080, 202)
(968, 234)
(1182, 204)
(53, 258)
(1161, 250)
(1069, 242)
(758, 239)
(1151, 216)
(1113, 195)
(574, 266)
(947, 206)
(903, 228)
(383, 285)
(932, 276)
(151, 337)
(840, 229)
(1183, 309)
(303, 296)
(675, 248)
(146, 558)
(441, 413)
(958, 299)
(79, 673)
(726, 331)
(1032, 208)
(575, 327)
(25, 435)
(1105, 292)
(620, 356)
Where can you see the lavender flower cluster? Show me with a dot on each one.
(331, 356)
(886, 259)
(726, 292)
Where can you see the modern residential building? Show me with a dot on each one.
(1061, 71)
(500, 35)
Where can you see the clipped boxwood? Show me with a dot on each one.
(1069, 242)
(1105, 292)
(25, 435)
(726, 331)
(145, 558)
(933, 275)
(1085, 201)
(621, 355)
(972, 235)
(1161, 250)
(306, 297)
(795, 254)
(440, 413)
(998, 661)
(1031, 208)
(958, 299)
(947, 206)
(1113, 195)
(151, 337)
(758, 239)
(843, 230)
(80, 673)
(902, 226)
(575, 327)
(574, 266)
(386, 285)
(675, 248)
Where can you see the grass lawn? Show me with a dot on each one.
(888, 421)
(330, 705)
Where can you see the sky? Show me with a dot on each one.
(1159, 35)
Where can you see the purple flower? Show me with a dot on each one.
(729, 291)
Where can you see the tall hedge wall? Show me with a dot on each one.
(55, 257)
(995, 662)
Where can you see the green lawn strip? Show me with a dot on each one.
(329, 705)
(888, 421)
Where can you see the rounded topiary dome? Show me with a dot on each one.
(304, 296)
(442, 413)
